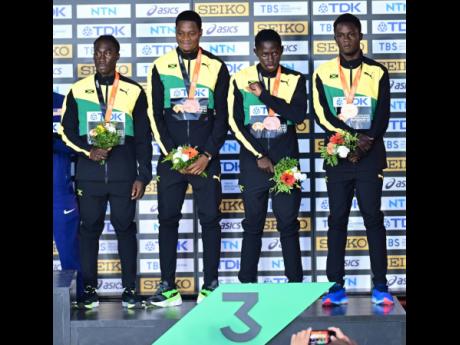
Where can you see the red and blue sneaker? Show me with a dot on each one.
(381, 296)
(335, 296)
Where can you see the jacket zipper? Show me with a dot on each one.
(106, 176)
(268, 139)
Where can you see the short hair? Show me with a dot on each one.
(191, 16)
(267, 35)
(348, 18)
(109, 38)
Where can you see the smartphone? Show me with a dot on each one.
(319, 337)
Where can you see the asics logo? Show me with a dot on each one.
(69, 211)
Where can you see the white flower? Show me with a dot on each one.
(176, 160)
(184, 158)
(294, 170)
(111, 128)
(343, 151)
(177, 156)
(93, 133)
(299, 176)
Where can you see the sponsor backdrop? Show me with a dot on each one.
(146, 30)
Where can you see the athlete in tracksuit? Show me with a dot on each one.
(205, 126)
(118, 175)
(249, 98)
(361, 172)
(66, 218)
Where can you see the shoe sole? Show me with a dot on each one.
(385, 301)
(200, 299)
(165, 304)
(91, 305)
(328, 302)
(132, 306)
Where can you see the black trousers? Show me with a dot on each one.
(341, 188)
(172, 186)
(256, 185)
(93, 198)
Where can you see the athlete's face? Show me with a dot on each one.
(269, 54)
(348, 37)
(105, 58)
(188, 36)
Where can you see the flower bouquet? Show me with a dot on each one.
(287, 176)
(182, 157)
(104, 136)
(339, 146)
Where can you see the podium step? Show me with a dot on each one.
(64, 288)
(362, 321)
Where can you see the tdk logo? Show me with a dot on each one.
(230, 166)
(389, 26)
(98, 30)
(154, 49)
(62, 12)
(234, 67)
(333, 7)
(358, 101)
(397, 125)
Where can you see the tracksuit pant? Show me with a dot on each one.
(341, 187)
(66, 220)
(93, 198)
(207, 192)
(255, 186)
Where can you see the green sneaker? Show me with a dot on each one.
(206, 291)
(165, 296)
(90, 299)
(130, 299)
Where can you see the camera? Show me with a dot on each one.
(320, 337)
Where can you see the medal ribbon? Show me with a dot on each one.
(108, 110)
(276, 87)
(191, 87)
(349, 94)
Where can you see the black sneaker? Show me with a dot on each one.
(90, 299)
(206, 290)
(130, 299)
(166, 296)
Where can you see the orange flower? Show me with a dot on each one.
(190, 152)
(288, 178)
(330, 148)
(337, 138)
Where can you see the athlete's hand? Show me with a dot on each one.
(97, 154)
(138, 190)
(198, 167)
(255, 88)
(265, 164)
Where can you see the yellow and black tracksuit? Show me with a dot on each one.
(365, 177)
(245, 109)
(206, 130)
(96, 184)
